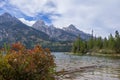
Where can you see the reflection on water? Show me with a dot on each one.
(110, 69)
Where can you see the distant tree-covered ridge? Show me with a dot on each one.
(106, 45)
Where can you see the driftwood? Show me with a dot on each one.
(64, 72)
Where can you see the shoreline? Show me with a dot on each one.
(99, 54)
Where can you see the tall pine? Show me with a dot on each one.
(117, 42)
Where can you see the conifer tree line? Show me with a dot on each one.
(107, 45)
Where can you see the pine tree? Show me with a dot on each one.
(79, 46)
(90, 44)
(111, 42)
(105, 43)
(99, 43)
(117, 42)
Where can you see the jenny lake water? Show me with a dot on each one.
(106, 68)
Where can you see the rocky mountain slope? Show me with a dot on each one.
(55, 34)
(69, 33)
(73, 30)
(12, 30)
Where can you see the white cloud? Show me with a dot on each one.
(102, 16)
(33, 7)
(27, 22)
(2, 4)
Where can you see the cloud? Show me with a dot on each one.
(2, 3)
(102, 16)
(27, 22)
(34, 7)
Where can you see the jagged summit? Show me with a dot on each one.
(51, 26)
(6, 17)
(71, 26)
(39, 23)
(6, 14)
(72, 29)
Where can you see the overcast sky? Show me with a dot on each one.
(103, 16)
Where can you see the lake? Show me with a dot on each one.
(105, 68)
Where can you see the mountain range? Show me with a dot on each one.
(13, 30)
(65, 34)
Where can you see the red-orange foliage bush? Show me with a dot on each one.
(28, 64)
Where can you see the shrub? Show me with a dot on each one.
(26, 64)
